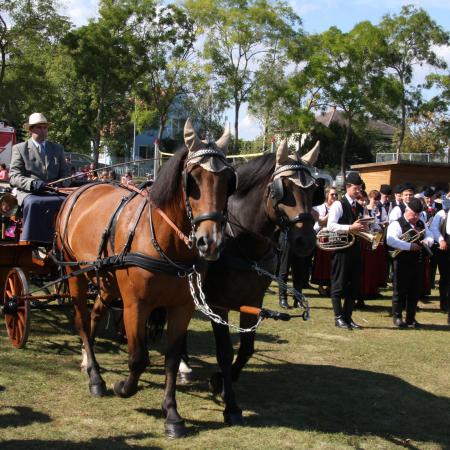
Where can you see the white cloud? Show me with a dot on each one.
(80, 11)
(249, 128)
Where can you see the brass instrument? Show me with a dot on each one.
(338, 240)
(411, 236)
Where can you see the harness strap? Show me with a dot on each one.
(133, 224)
(135, 259)
(107, 230)
(146, 195)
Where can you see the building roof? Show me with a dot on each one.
(334, 115)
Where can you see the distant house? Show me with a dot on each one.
(333, 115)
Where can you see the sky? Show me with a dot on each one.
(317, 16)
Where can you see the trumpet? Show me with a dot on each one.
(411, 236)
(339, 240)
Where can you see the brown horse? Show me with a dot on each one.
(274, 193)
(143, 244)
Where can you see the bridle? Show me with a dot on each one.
(216, 216)
(276, 194)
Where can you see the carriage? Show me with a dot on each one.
(24, 264)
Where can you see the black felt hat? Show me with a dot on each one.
(416, 205)
(408, 187)
(428, 192)
(353, 178)
(385, 189)
(398, 188)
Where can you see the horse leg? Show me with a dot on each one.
(177, 322)
(222, 381)
(246, 347)
(135, 319)
(185, 370)
(97, 313)
(78, 289)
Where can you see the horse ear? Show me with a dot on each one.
(282, 153)
(223, 142)
(311, 157)
(190, 136)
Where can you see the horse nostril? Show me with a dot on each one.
(202, 243)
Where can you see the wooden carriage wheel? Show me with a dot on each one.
(17, 321)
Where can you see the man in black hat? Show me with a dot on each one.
(346, 264)
(386, 203)
(440, 227)
(408, 265)
(407, 193)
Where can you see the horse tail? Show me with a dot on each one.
(156, 323)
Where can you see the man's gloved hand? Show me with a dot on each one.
(38, 186)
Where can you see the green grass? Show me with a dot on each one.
(309, 385)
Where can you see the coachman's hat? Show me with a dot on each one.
(398, 188)
(385, 189)
(35, 119)
(353, 178)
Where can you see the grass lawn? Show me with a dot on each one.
(308, 386)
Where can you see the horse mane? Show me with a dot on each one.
(167, 184)
(254, 173)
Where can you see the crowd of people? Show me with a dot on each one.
(412, 239)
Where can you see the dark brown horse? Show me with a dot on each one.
(143, 244)
(272, 194)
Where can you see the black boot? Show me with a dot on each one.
(341, 323)
(397, 315)
(284, 303)
(353, 324)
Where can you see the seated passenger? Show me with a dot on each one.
(34, 164)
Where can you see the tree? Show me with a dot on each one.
(239, 33)
(165, 40)
(104, 64)
(410, 37)
(30, 32)
(346, 71)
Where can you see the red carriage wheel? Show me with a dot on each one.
(15, 308)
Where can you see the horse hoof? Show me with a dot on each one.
(216, 383)
(233, 418)
(185, 378)
(119, 390)
(98, 390)
(175, 430)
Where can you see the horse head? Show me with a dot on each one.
(208, 181)
(294, 190)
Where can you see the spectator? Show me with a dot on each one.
(4, 173)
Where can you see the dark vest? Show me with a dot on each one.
(348, 217)
(402, 207)
(405, 225)
(410, 257)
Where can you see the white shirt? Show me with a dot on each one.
(436, 224)
(335, 214)
(394, 232)
(322, 211)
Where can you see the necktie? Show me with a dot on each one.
(354, 208)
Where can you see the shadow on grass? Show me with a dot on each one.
(19, 416)
(109, 443)
(331, 399)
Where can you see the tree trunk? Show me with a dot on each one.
(157, 155)
(402, 127)
(3, 66)
(345, 147)
(237, 106)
